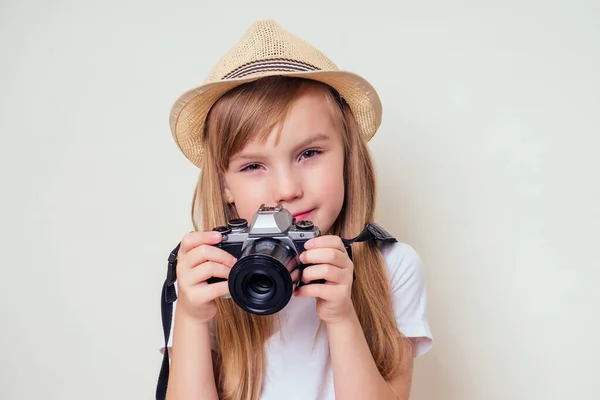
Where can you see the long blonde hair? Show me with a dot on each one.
(240, 115)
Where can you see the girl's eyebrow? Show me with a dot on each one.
(319, 137)
(247, 157)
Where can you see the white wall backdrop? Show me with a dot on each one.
(487, 163)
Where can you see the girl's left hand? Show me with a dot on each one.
(331, 262)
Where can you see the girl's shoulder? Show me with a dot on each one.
(400, 258)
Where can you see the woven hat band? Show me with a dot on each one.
(272, 65)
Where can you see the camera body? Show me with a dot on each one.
(268, 222)
(267, 251)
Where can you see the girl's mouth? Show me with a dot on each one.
(301, 216)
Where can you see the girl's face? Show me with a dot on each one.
(300, 166)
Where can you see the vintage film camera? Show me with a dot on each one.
(267, 268)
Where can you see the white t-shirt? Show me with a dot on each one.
(298, 366)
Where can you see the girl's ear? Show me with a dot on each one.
(228, 196)
(226, 192)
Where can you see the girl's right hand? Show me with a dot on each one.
(198, 260)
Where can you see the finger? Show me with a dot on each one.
(206, 270)
(323, 291)
(325, 256)
(327, 241)
(204, 253)
(195, 239)
(328, 272)
(207, 293)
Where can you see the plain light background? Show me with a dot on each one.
(487, 164)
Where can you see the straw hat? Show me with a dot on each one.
(266, 50)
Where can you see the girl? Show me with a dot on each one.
(277, 122)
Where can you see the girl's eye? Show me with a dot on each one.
(250, 167)
(310, 153)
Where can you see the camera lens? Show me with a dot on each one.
(260, 284)
(261, 280)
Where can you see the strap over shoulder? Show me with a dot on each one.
(373, 231)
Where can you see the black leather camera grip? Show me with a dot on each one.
(235, 249)
(301, 249)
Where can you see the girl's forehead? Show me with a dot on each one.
(309, 114)
(304, 125)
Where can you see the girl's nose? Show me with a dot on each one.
(287, 188)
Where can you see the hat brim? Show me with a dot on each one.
(190, 110)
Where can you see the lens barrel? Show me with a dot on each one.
(261, 280)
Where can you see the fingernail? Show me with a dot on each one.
(308, 244)
(216, 235)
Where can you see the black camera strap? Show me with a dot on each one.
(372, 231)
(168, 296)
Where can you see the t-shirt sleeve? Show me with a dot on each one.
(409, 297)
